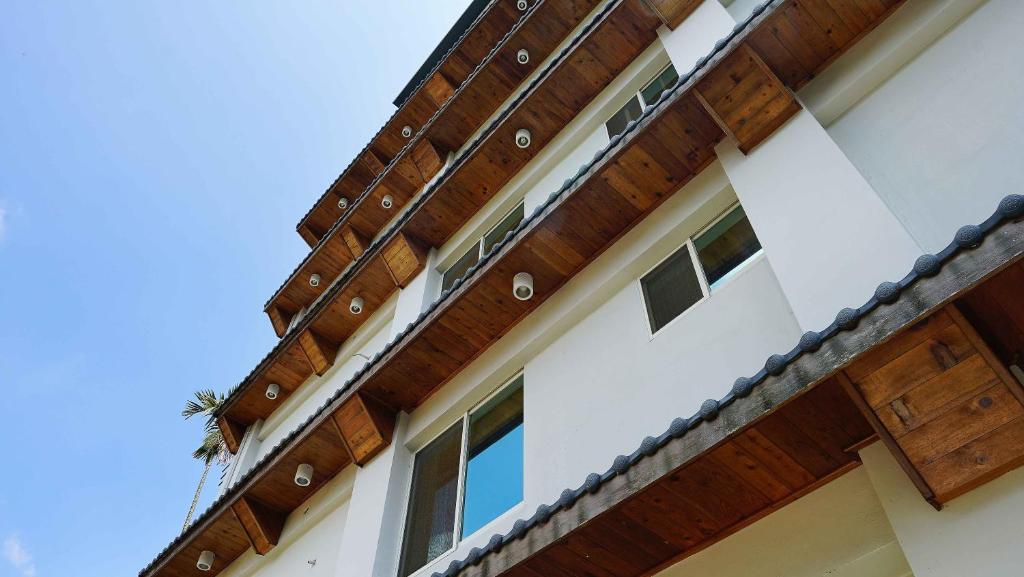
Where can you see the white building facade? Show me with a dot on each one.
(911, 131)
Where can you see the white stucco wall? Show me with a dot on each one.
(940, 141)
(839, 530)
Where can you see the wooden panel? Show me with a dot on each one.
(935, 393)
(318, 350)
(278, 319)
(438, 89)
(673, 12)
(366, 427)
(232, 432)
(354, 240)
(405, 257)
(746, 99)
(262, 524)
(372, 162)
(428, 158)
(997, 310)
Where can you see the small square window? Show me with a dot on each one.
(461, 266)
(662, 82)
(725, 246)
(507, 224)
(628, 113)
(671, 288)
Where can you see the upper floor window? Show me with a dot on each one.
(694, 271)
(636, 104)
(465, 478)
(480, 248)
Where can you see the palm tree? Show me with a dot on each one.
(212, 449)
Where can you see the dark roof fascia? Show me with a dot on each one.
(483, 13)
(462, 26)
(976, 253)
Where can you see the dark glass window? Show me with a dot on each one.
(726, 245)
(498, 233)
(457, 270)
(671, 288)
(629, 112)
(430, 523)
(662, 82)
(482, 246)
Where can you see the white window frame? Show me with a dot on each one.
(698, 269)
(460, 493)
(480, 241)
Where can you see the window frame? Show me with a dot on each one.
(460, 494)
(480, 242)
(637, 95)
(698, 268)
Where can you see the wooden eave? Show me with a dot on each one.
(450, 74)
(611, 41)
(656, 155)
(540, 30)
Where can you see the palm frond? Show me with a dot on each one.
(212, 449)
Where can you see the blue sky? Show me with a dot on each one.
(154, 159)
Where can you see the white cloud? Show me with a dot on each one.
(15, 552)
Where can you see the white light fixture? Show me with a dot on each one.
(522, 5)
(523, 56)
(523, 138)
(522, 286)
(205, 562)
(356, 306)
(273, 389)
(343, 203)
(407, 131)
(388, 201)
(304, 475)
(314, 280)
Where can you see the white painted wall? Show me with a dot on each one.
(978, 534)
(940, 141)
(839, 530)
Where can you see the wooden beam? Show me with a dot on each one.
(262, 523)
(405, 257)
(366, 426)
(946, 407)
(372, 162)
(672, 12)
(308, 235)
(745, 98)
(232, 430)
(318, 350)
(428, 158)
(354, 240)
(438, 89)
(279, 319)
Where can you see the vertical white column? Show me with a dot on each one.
(373, 529)
(696, 36)
(980, 534)
(830, 238)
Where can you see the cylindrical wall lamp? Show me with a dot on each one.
(205, 562)
(272, 391)
(304, 475)
(522, 286)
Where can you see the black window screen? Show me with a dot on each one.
(671, 288)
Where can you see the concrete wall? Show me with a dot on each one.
(940, 139)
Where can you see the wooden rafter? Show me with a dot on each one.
(262, 523)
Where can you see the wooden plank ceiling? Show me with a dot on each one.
(655, 158)
(620, 34)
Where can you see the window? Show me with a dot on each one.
(465, 478)
(698, 268)
(636, 104)
(481, 247)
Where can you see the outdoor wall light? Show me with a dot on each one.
(523, 138)
(407, 131)
(523, 56)
(388, 201)
(314, 280)
(304, 475)
(522, 286)
(522, 5)
(273, 389)
(205, 562)
(343, 203)
(356, 306)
